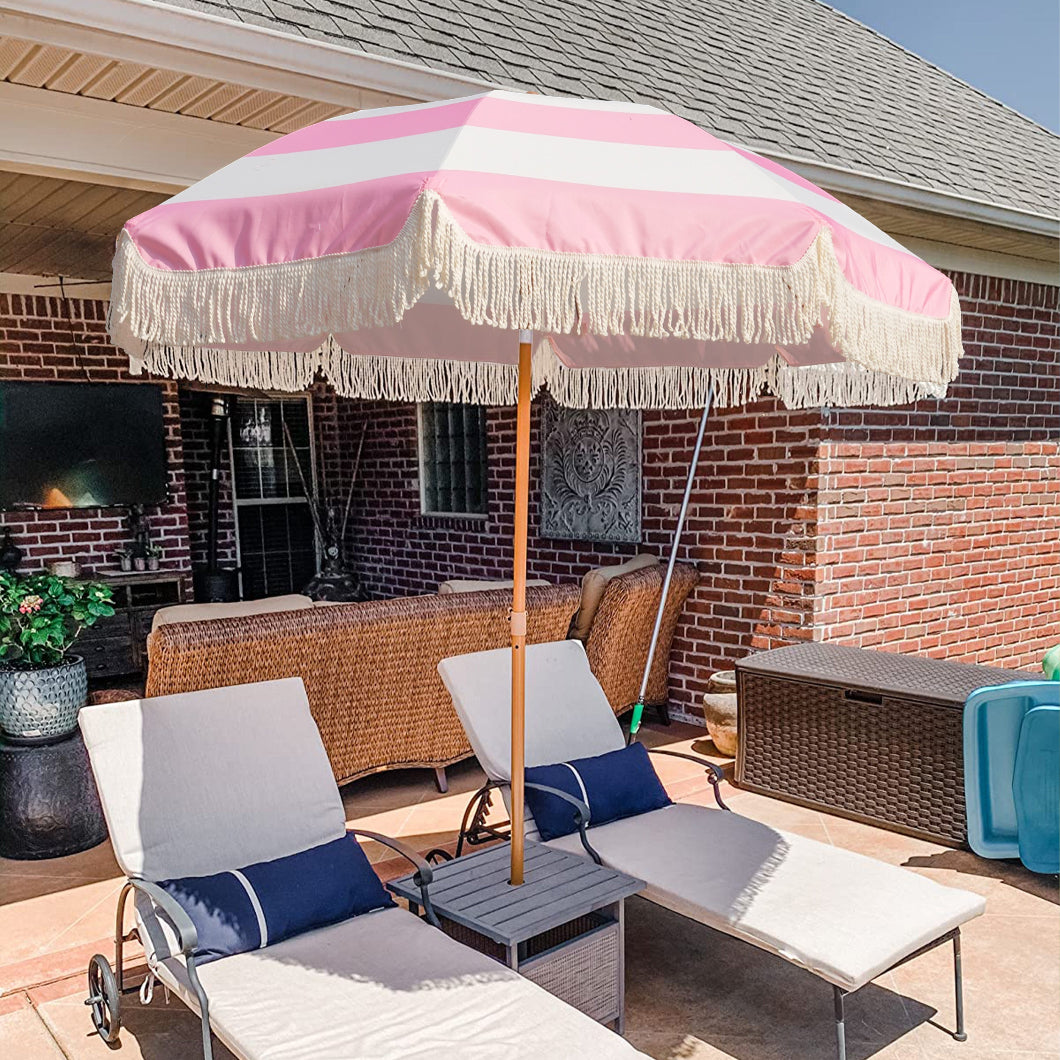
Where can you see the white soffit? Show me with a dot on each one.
(166, 37)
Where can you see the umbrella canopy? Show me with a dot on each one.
(412, 254)
(398, 250)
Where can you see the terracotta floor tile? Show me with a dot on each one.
(56, 921)
(1011, 986)
(24, 1035)
(693, 993)
(155, 1032)
(95, 864)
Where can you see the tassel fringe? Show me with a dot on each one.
(892, 356)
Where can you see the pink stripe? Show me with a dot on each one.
(489, 112)
(522, 212)
(232, 233)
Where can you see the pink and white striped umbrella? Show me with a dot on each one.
(398, 251)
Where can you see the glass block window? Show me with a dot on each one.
(274, 527)
(452, 441)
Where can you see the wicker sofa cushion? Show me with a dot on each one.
(473, 585)
(841, 915)
(189, 807)
(388, 986)
(594, 585)
(234, 609)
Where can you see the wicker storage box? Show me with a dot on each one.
(874, 736)
(578, 961)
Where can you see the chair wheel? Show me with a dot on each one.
(103, 999)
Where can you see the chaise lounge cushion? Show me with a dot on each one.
(780, 891)
(390, 987)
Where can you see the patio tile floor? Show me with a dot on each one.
(692, 994)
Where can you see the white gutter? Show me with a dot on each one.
(166, 37)
(883, 189)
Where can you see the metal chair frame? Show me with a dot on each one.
(188, 937)
(474, 831)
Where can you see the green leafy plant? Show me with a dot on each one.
(41, 615)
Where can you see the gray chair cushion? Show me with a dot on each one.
(842, 916)
(389, 987)
(201, 782)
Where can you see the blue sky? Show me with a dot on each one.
(1009, 49)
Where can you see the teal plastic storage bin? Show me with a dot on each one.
(998, 798)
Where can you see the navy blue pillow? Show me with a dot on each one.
(618, 784)
(265, 903)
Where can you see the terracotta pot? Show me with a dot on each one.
(719, 708)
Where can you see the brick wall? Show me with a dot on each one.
(931, 528)
(196, 437)
(41, 341)
(750, 529)
(940, 523)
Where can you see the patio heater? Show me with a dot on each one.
(214, 583)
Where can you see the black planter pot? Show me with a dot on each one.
(49, 805)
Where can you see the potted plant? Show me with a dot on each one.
(41, 687)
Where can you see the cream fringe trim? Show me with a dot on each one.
(413, 380)
(892, 355)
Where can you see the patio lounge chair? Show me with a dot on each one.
(844, 917)
(201, 783)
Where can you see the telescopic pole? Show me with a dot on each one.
(638, 708)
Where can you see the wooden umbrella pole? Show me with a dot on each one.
(518, 621)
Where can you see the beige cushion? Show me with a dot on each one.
(472, 585)
(842, 916)
(200, 782)
(567, 714)
(234, 609)
(594, 584)
(388, 986)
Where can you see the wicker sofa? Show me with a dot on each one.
(370, 669)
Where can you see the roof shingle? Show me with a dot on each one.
(788, 76)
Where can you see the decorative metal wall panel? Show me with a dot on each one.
(591, 474)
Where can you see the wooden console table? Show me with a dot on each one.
(117, 646)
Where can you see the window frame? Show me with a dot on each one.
(421, 463)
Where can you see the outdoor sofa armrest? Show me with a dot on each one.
(713, 771)
(581, 814)
(423, 875)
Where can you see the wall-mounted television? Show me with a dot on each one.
(81, 445)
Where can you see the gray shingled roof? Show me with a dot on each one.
(792, 77)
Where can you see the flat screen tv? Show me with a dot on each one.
(81, 445)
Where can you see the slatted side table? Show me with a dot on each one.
(564, 928)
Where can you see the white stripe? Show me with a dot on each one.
(578, 778)
(567, 103)
(258, 911)
(560, 159)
